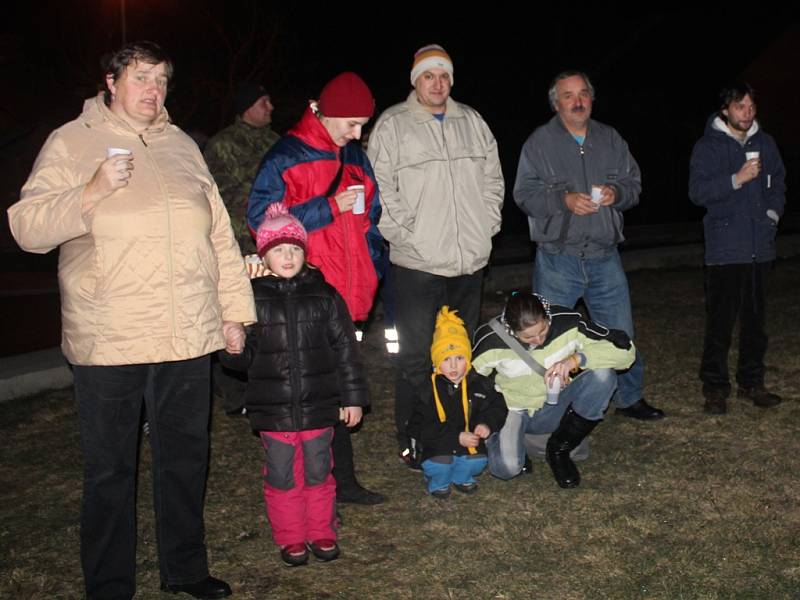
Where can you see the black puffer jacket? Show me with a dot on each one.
(439, 438)
(301, 357)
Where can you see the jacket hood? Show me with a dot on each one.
(310, 130)
(715, 124)
(95, 112)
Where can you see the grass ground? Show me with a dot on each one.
(692, 507)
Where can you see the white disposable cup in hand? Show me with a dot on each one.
(115, 151)
(252, 262)
(597, 194)
(553, 390)
(359, 207)
(751, 155)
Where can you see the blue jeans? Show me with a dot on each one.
(601, 282)
(441, 471)
(588, 394)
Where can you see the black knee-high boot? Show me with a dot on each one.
(347, 487)
(571, 432)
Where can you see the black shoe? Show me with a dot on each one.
(716, 402)
(358, 494)
(466, 488)
(641, 410)
(442, 494)
(760, 396)
(527, 467)
(571, 432)
(206, 589)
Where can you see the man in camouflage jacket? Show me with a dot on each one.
(234, 154)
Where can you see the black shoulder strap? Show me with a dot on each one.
(335, 183)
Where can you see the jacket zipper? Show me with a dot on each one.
(297, 416)
(170, 266)
(453, 196)
(345, 243)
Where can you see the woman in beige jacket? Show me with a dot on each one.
(151, 283)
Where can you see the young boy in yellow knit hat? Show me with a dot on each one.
(454, 416)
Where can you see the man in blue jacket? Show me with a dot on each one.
(737, 174)
(575, 178)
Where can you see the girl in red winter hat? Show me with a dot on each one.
(304, 374)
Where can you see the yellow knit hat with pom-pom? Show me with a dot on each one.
(450, 338)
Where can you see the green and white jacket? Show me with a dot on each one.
(599, 348)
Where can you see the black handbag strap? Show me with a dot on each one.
(338, 178)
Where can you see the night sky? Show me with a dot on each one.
(656, 73)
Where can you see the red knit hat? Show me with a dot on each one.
(279, 227)
(346, 96)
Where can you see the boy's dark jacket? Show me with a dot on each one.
(301, 357)
(485, 406)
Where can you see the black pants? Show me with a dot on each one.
(176, 395)
(419, 296)
(734, 291)
(230, 385)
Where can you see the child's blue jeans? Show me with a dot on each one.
(441, 471)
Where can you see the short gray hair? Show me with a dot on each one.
(552, 93)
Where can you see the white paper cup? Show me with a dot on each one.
(359, 207)
(752, 155)
(115, 151)
(553, 390)
(597, 194)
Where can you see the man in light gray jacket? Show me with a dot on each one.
(575, 178)
(442, 188)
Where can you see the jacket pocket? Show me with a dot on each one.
(727, 238)
(766, 230)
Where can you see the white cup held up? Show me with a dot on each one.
(359, 207)
(115, 151)
(553, 390)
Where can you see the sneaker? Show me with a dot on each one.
(466, 488)
(324, 550)
(442, 494)
(409, 458)
(294, 555)
(760, 396)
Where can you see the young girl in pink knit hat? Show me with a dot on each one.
(305, 374)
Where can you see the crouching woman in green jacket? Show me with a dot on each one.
(534, 349)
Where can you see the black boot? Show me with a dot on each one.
(348, 490)
(571, 432)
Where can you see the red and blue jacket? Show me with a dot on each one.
(299, 170)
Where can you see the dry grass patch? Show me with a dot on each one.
(693, 507)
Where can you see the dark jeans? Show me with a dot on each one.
(734, 291)
(176, 395)
(419, 296)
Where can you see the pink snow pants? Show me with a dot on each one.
(299, 489)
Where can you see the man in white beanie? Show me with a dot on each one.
(442, 188)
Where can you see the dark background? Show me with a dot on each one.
(656, 73)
